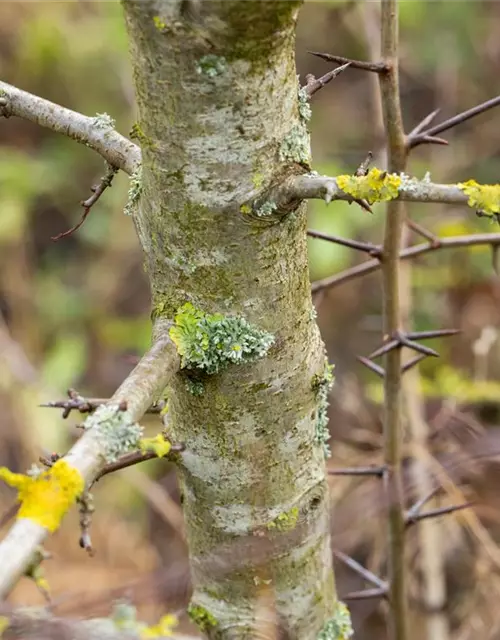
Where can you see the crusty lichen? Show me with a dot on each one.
(46, 497)
(124, 618)
(211, 65)
(116, 430)
(285, 521)
(211, 342)
(376, 186)
(321, 385)
(339, 626)
(134, 192)
(104, 121)
(295, 146)
(267, 209)
(202, 618)
(484, 198)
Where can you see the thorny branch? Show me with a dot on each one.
(97, 133)
(452, 242)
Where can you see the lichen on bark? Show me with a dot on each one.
(216, 130)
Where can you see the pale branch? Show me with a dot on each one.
(97, 133)
(316, 187)
(453, 242)
(88, 455)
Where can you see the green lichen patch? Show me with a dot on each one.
(211, 65)
(266, 210)
(484, 198)
(376, 186)
(321, 385)
(195, 387)
(103, 121)
(117, 431)
(285, 521)
(295, 146)
(210, 342)
(201, 617)
(339, 626)
(134, 192)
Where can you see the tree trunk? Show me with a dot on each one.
(220, 120)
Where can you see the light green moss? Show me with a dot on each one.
(339, 627)
(285, 521)
(201, 617)
(160, 24)
(321, 385)
(137, 133)
(211, 342)
(376, 186)
(484, 198)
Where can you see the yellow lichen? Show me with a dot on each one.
(4, 624)
(163, 628)
(46, 498)
(482, 197)
(376, 186)
(158, 444)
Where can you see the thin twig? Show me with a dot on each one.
(358, 471)
(453, 242)
(359, 569)
(367, 247)
(434, 513)
(87, 204)
(375, 67)
(419, 136)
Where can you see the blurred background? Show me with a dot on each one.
(75, 313)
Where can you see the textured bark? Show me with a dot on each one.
(218, 95)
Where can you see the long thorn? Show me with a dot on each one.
(357, 471)
(367, 247)
(434, 513)
(359, 569)
(372, 366)
(376, 67)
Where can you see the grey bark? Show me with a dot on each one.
(218, 105)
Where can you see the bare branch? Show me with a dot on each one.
(88, 455)
(96, 133)
(453, 242)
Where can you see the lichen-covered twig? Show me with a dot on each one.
(87, 204)
(97, 133)
(109, 433)
(453, 242)
(311, 186)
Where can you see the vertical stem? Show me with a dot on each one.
(389, 86)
